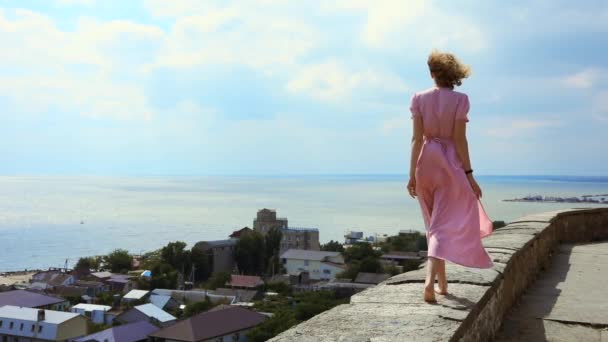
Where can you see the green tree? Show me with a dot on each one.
(360, 251)
(217, 279)
(350, 272)
(421, 243)
(332, 246)
(309, 304)
(281, 321)
(250, 254)
(88, 264)
(164, 276)
(118, 261)
(272, 242)
(201, 263)
(176, 255)
(198, 307)
(370, 264)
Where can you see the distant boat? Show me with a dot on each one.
(81, 222)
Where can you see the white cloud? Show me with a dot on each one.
(72, 70)
(420, 23)
(584, 79)
(519, 127)
(248, 33)
(331, 81)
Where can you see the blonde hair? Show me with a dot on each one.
(448, 70)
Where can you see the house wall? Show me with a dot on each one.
(131, 316)
(299, 239)
(223, 258)
(316, 269)
(48, 332)
(72, 328)
(96, 316)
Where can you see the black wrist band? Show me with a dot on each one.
(468, 171)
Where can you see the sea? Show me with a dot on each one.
(48, 221)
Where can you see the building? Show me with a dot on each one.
(164, 302)
(244, 282)
(116, 282)
(320, 265)
(220, 252)
(148, 313)
(238, 233)
(267, 219)
(96, 313)
(228, 324)
(135, 295)
(239, 295)
(293, 238)
(132, 332)
(31, 299)
(194, 296)
(93, 288)
(27, 324)
(46, 280)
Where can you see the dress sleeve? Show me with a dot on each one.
(462, 110)
(415, 106)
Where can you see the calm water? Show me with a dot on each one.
(40, 216)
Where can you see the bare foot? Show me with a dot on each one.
(442, 288)
(429, 295)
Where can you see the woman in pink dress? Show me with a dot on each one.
(442, 178)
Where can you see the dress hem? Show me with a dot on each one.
(461, 264)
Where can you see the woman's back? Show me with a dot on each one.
(439, 108)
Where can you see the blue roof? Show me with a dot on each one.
(123, 333)
(27, 299)
(221, 243)
(160, 300)
(153, 311)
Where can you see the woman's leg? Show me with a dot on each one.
(441, 277)
(429, 284)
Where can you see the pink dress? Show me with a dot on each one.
(454, 218)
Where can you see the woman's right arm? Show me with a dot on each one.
(462, 149)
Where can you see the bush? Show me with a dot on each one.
(217, 279)
(281, 321)
(118, 261)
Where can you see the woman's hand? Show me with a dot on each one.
(474, 185)
(411, 187)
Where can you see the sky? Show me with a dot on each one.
(204, 87)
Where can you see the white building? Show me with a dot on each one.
(18, 324)
(96, 313)
(135, 295)
(320, 265)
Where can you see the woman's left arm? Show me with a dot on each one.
(417, 141)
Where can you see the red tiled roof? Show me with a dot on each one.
(244, 281)
(210, 324)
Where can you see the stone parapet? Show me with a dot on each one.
(478, 299)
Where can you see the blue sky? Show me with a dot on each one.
(191, 87)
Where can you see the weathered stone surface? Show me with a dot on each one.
(548, 216)
(525, 225)
(511, 241)
(393, 311)
(460, 297)
(454, 273)
(566, 300)
(377, 322)
(544, 330)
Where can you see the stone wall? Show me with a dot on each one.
(478, 299)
